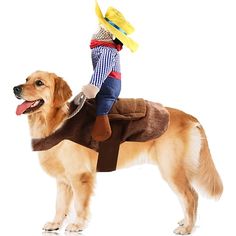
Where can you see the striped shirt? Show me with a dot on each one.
(105, 60)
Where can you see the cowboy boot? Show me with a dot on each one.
(101, 130)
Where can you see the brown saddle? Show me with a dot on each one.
(135, 120)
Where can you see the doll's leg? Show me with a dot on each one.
(107, 95)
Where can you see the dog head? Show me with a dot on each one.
(40, 91)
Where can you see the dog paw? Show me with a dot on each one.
(74, 228)
(51, 226)
(181, 230)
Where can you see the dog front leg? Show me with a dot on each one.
(64, 196)
(82, 187)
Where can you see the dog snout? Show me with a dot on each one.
(17, 90)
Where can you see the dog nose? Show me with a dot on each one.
(17, 90)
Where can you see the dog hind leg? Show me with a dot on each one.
(170, 158)
(189, 199)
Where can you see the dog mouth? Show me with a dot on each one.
(29, 106)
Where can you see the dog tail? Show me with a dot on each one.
(208, 177)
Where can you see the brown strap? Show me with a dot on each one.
(108, 152)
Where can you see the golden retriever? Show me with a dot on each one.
(182, 154)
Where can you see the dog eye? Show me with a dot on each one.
(39, 83)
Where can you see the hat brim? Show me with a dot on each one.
(128, 42)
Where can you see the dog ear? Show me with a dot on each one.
(62, 91)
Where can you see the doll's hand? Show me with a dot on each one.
(90, 90)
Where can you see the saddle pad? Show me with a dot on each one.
(122, 109)
(128, 109)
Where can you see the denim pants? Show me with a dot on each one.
(107, 95)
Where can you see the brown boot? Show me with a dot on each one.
(101, 129)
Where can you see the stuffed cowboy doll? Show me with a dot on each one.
(105, 84)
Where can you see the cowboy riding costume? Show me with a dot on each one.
(105, 83)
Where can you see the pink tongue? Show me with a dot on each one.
(21, 108)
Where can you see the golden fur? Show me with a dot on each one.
(181, 153)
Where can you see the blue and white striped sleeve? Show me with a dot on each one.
(103, 67)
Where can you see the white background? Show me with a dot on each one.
(186, 59)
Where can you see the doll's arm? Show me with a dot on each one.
(103, 67)
(101, 71)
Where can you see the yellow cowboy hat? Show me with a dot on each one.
(116, 24)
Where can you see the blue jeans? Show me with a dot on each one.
(107, 95)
